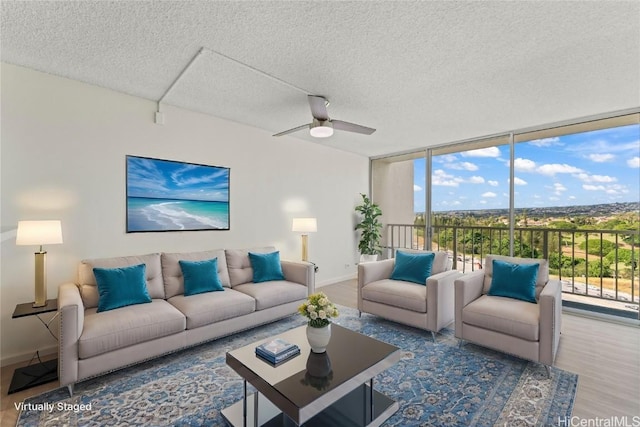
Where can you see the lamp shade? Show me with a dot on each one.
(39, 232)
(305, 225)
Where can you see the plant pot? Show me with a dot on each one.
(368, 258)
(319, 338)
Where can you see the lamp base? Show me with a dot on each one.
(41, 280)
(305, 250)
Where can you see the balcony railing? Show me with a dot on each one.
(599, 264)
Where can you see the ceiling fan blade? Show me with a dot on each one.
(318, 106)
(293, 130)
(352, 127)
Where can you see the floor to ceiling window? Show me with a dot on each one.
(574, 200)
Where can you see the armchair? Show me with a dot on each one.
(525, 329)
(427, 306)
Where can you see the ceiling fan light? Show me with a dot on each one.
(321, 129)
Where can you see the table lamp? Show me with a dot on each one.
(305, 226)
(39, 233)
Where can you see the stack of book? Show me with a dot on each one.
(277, 350)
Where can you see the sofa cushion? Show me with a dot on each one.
(406, 295)
(271, 294)
(514, 280)
(204, 309)
(413, 267)
(541, 280)
(505, 315)
(172, 273)
(239, 266)
(200, 276)
(440, 262)
(87, 280)
(266, 267)
(122, 286)
(111, 330)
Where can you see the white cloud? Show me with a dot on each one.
(554, 168)
(595, 178)
(590, 187)
(445, 158)
(558, 188)
(572, 197)
(489, 194)
(524, 165)
(493, 183)
(476, 180)
(634, 162)
(467, 166)
(554, 198)
(440, 177)
(482, 152)
(601, 158)
(546, 142)
(417, 187)
(483, 202)
(535, 196)
(518, 181)
(456, 203)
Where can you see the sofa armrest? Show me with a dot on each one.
(300, 272)
(71, 323)
(440, 299)
(369, 272)
(468, 288)
(550, 320)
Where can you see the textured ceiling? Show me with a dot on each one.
(422, 73)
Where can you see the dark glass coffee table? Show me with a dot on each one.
(304, 390)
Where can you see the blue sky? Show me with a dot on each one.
(174, 180)
(595, 167)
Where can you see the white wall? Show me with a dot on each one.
(63, 157)
(392, 190)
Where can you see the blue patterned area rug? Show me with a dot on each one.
(435, 384)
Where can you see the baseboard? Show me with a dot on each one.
(25, 357)
(335, 280)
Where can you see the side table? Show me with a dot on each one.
(41, 372)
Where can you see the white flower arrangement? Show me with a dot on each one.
(319, 310)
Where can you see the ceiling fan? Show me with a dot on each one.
(322, 126)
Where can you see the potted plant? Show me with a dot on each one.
(370, 229)
(319, 310)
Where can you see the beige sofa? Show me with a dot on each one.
(428, 306)
(524, 329)
(93, 343)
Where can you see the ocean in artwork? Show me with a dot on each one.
(151, 214)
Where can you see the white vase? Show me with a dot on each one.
(368, 258)
(319, 338)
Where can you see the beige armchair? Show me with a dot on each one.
(524, 329)
(429, 306)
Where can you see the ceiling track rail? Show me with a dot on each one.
(159, 118)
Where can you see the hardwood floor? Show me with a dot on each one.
(605, 355)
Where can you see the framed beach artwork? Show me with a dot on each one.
(167, 195)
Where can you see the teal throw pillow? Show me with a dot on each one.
(200, 276)
(266, 267)
(514, 280)
(413, 267)
(120, 287)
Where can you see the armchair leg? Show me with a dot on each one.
(546, 367)
(359, 313)
(70, 388)
(433, 335)
(460, 343)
